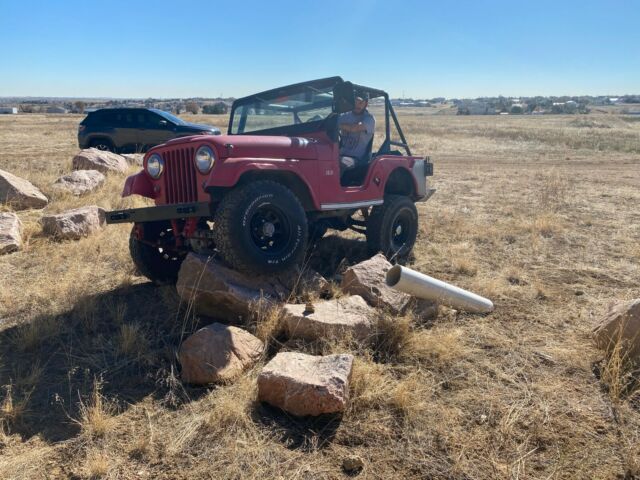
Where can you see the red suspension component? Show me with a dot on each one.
(190, 227)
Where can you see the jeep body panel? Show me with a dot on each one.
(313, 161)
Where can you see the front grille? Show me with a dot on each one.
(180, 176)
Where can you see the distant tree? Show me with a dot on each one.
(191, 107)
(79, 106)
(215, 109)
(178, 109)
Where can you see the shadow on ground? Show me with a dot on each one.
(124, 342)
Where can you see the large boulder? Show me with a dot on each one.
(218, 291)
(20, 193)
(10, 233)
(218, 353)
(304, 384)
(620, 326)
(74, 224)
(337, 318)
(367, 279)
(80, 182)
(105, 162)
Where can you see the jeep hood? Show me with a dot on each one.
(258, 146)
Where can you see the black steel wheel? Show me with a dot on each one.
(392, 227)
(155, 255)
(261, 228)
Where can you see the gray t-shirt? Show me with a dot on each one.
(354, 144)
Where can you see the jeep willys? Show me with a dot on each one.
(259, 194)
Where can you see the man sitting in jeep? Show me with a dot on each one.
(356, 131)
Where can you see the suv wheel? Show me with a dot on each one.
(102, 144)
(392, 227)
(261, 227)
(155, 256)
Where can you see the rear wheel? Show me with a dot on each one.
(261, 227)
(392, 227)
(155, 256)
(103, 144)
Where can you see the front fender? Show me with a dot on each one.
(138, 184)
(230, 171)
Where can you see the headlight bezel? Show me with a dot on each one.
(160, 161)
(211, 162)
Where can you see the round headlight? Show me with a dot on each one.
(204, 159)
(155, 165)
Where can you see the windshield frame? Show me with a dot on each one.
(321, 84)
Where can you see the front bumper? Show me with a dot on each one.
(158, 213)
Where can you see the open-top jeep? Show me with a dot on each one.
(259, 194)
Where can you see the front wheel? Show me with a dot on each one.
(392, 227)
(261, 227)
(154, 253)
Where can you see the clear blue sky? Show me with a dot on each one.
(420, 48)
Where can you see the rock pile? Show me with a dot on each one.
(298, 383)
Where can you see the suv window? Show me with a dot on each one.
(153, 120)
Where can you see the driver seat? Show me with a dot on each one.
(355, 176)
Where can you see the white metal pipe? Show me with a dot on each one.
(423, 286)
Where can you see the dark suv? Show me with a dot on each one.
(134, 129)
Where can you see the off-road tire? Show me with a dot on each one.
(149, 261)
(103, 144)
(382, 227)
(237, 237)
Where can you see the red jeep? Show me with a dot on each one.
(259, 194)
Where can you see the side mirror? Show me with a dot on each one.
(343, 97)
(163, 123)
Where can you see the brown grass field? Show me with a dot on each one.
(540, 214)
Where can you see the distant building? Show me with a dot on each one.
(475, 107)
(9, 110)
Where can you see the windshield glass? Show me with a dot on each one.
(170, 117)
(304, 104)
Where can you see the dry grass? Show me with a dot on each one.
(539, 214)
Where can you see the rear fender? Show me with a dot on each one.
(138, 184)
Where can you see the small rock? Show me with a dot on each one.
(74, 224)
(336, 318)
(620, 325)
(10, 233)
(80, 182)
(218, 353)
(134, 159)
(367, 279)
(105, 162)
(304, 384)
(20, 193)
(352, 463)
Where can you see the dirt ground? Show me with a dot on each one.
(540, 214)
